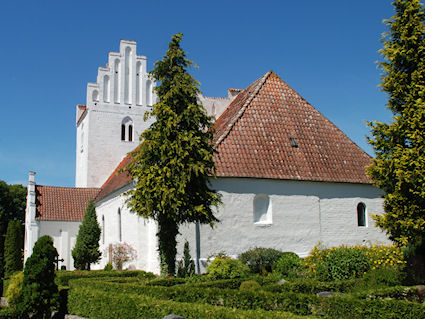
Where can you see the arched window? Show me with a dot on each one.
(361, 214)
(127, 126)
(103, 229)
(117, 81)
(139, 83)
(262, 209)
(95, 95)
(119, 225)
(130, 133)
(149, 92)
(122, 132)
(106, 89)
(127, 78)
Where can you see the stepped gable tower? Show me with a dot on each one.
(109, 125)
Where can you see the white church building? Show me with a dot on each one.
(289, 178)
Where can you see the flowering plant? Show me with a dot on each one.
(122, 253)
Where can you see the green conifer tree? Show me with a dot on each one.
(39, 294)
(86, 250)
(172, 166)
(399, 166)
(13, 245)
(186, 266)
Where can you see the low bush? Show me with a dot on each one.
(63, 277)
(313, 286)
(166, 282)
(249, 285)
(93, 303)
(288, 264)
(108, 267)
(338, 263)
(14, 289)
(226, 268)
(260, 260)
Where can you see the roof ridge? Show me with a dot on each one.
(69, 187)
(243, 108)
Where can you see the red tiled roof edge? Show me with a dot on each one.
(62, 203)
(242, 110)
(84, 108)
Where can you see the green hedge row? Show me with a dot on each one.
(311, 286)
(248, 300)
(348, 307)
(300, 304)
(63, 277)
(94, 304)
(398, 293)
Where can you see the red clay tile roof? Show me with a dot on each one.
(63, 203)
(82, 109)
(253, 139)
(116, 180)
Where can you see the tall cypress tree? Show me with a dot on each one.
(86, 250)
(174, 161)
(13, 246)
(39, 292)
(399, 166)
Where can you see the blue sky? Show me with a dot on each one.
(326, 50)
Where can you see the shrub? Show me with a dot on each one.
(39, 292)
(14, 289)
(338, 263)
(249, 285)
(122, 253)
(108, 267)
(63, 277)
(226, 268)
(186, 266)
(260, 260)
(288, 264)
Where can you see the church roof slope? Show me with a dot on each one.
(117, 179)
(270, 131)
(63, 203)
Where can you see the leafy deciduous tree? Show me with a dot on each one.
(174, 161)
(399, 166)
(86, 250)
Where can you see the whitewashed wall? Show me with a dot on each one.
(64, 235)
(136, 231)
(303, 214)
(123, 89)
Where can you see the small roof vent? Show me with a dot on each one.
(293, 142)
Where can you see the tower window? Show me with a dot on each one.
(122, 132)
(130, 133)
(127, 129)
(361, 215)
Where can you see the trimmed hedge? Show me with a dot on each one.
(398, 293)
(248, 300)
(300, 304)
(63, 277)
(311, 286)
(348, 307)
(95, 304)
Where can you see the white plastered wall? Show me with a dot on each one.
(64, 235)
(138, 232)
(126, 93)
(303, 214)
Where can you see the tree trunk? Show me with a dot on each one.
(167, 233)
